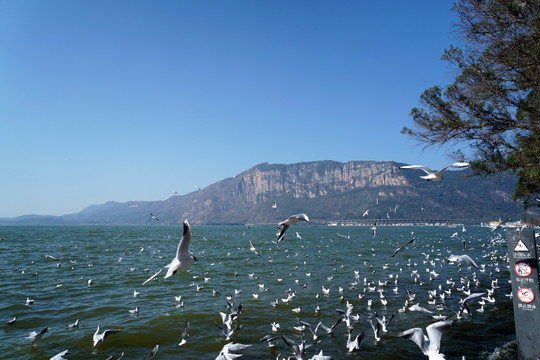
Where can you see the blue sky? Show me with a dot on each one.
(130, 100)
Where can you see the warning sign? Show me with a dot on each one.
(523, 269)
(525, 295)
(520, 247)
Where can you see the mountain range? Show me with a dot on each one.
(328, 191)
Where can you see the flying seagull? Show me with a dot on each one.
(430, 344)
(461, 258)
(184, 334)
(269, 340)
(432, 175)
(384, 322)
(153, 352)
(97, 338)
(36, 336)
(298, 349)
(290, 221)
(182, 260)
(60, 355)
(153, 217)
(402, 247)
(353, 344)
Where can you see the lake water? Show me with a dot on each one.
(348, 261)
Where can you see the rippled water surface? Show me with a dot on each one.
(355, 266)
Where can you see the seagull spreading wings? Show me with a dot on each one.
(432, 175)
(430, 344)
(353, 344)
(60, 355)
(101, 337)
(384, 322)
(290, 221)
(461, 258)
(182, 260)
(402, 247)
(228, 332)
(252, 248)
(36, 336)
(298, 349)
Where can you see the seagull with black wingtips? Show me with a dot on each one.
(36, 336)
(184, 334)
(402, 247)
(430, 344)
(354, 343)
(285, 224)
(153, 352)
(97, 338)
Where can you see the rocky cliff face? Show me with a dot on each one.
(326, 191)
(329, 190)
(315, 179)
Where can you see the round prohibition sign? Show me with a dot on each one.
(523, 269)
(525, 295)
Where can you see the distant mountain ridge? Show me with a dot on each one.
(325, 190)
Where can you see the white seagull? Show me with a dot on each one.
(60, 355)
(97, 338)
(298, 349)
(430, 344)
(182, 260)
(290, 221)
(353, 344)
(432, 175)
(460, 258)
(36, 336)
(73, 325)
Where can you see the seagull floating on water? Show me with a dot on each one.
(74, 325)
(432, 175)
(183, 260)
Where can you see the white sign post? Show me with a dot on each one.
(524, 273)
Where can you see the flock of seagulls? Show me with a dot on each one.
(350, 315)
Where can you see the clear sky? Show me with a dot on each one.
(132, 100)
